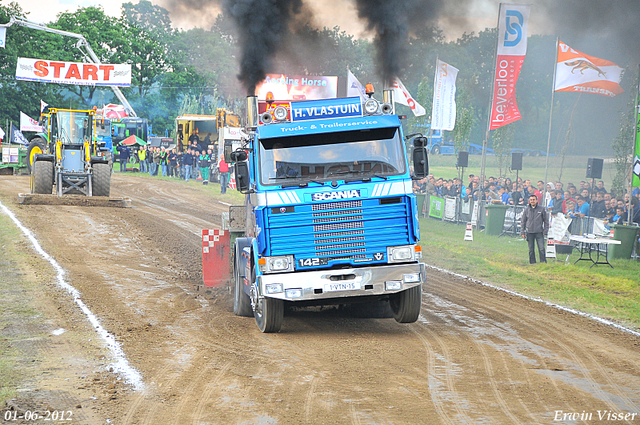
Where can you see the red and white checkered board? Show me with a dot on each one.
(216, 266)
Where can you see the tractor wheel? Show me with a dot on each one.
(101, 179)
(36, 146)
(43, 177)
(241, 301)
(405, 305)
(269, 314)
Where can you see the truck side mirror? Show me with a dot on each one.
(242, 175)
(238, 155)
(420, 158)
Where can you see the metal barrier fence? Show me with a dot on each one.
(455, 210)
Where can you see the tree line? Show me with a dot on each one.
(176, 71)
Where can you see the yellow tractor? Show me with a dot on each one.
(67, 155)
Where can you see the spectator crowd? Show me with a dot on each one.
(195, 162)
(572, 201)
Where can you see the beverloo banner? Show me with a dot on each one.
(512, 48)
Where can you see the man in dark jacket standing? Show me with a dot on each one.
(535, 226)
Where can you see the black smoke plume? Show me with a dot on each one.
(262, 26)
(391, 23)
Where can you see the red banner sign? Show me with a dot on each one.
(512, 48)
(46, 71)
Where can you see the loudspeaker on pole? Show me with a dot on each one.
(594, 168)
(516, 161)
(463, 159)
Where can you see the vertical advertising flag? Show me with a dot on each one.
(443, 111)
(512, 48)
(402, 96)
(582, 73)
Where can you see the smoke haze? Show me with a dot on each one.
(265, 28)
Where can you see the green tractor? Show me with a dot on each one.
(67, 155)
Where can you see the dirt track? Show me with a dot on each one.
(476, 356)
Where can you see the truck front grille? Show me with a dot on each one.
(344, 230)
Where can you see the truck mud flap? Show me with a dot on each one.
(216, 264)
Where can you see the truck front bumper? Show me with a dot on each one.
(342, 283)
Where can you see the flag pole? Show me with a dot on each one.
(636, 122)
(553, 92)
(485, 142)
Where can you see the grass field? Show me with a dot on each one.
(612, 294)
(574, 169)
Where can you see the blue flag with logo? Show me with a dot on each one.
(17, 136)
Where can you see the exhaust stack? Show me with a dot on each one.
(387, 99)
(252, 113)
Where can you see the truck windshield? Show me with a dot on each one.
(350, 154)
(74, 127)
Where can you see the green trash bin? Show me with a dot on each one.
(495, 219)
(627, 235)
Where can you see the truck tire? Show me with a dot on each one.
(269, 314)
(36, 146)
(436, 150)
(43, 177)
(405, 305)
(101, 179)
(241, 301)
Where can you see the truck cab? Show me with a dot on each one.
(330, 213)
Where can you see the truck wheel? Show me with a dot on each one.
(43, 177)
(269, 314)
(436, 150)
(36, 146)
(241, 301)
(405, 305)
(101, 179)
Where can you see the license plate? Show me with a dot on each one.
(341, 286)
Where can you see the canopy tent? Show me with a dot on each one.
(133, 140)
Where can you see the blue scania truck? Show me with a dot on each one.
(330, 216)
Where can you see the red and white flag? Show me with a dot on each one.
(512, 48)
(29, 124)
(582, 73)
(402, 96)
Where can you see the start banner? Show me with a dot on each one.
(46, 71)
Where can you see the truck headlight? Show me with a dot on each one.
(400, 254)
(371, 106)
(280, 113)
(277, 264)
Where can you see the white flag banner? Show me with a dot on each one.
(443, 111)
(29, 124)
(43, 105)
(354, 87)
(3, 37)
(402, 96)
(1, 133)
(90, 74)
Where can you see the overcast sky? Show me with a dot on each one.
(325, 12)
